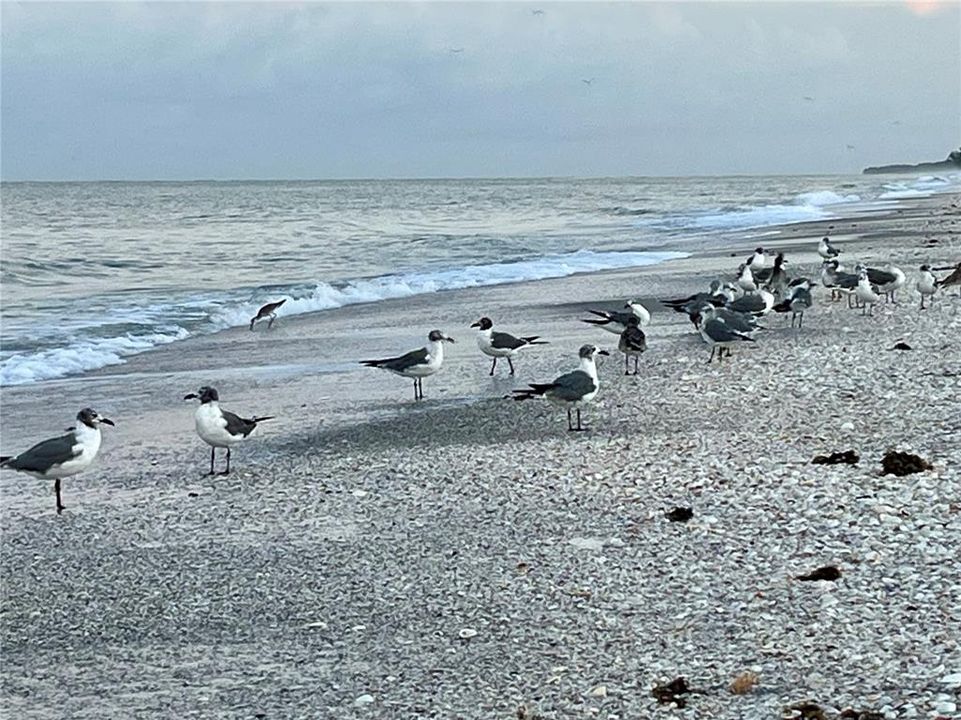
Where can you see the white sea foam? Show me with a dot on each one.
(808, 206)
(217, 312)
(89, 354)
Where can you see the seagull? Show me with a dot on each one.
(62, 456)
(719, 335)
(953, 279)
(849, 146)
(220, 428)
(798, 300)
(537, 12)
(759, 303)
(745, 279)
(455, 50)
(417, 364)
(615, 322)
(866, 292)
(809, 98)
(500, 344)
(632, 343)
(267, 311)
(572, 389)
(826, 250)
(889, 280)
(841, 283)
(774, 277)
(758, 260)
(588, 82)
(740, 321)
(927, 284)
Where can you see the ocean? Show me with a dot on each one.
(93, 272)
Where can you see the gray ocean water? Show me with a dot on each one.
(95, 272)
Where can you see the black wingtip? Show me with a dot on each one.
(4, 459)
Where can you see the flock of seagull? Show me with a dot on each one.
(725, 315)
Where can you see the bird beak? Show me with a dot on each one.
(191, 396)
(476, 324)
(449, 339)
(108, 421)
(603, 352)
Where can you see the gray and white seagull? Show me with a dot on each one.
(572, 389)
(615, 322)
(220, 428)
(63, 456)
(500, 344)
(632, 343)
(719, 335)
(417, 364)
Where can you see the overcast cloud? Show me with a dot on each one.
(328, 90)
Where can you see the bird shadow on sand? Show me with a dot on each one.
(488, 422)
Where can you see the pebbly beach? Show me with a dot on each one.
(464, 556)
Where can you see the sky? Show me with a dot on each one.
(314, 90)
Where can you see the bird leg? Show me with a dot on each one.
(636, 359)
(415, 389)
(570, 424)
(56, 489)
(627, 359)
(579, 428)
(227, 471)
(493, 365)
(711, 359)
(212, 451)
(510, 364)
(271, 323)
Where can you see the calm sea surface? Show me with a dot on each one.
(94, 272)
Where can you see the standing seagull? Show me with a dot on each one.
(220, 428)
(826, 250)
(745, 279)
(632, 342)
(572, 389)
(719, 335)
(616, 322)
(62, 456)
(758, 260)
(417, 364)
(267, 311)
(500, 344)
(866, 293)
(798, 300)
(927, 284)
(953, 279)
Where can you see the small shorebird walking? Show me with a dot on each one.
(572, 389)
(501, 344)
(63, 456)
(267, 311)
(220, 428)
(417, 364)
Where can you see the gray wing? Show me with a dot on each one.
(880, 277)
(632, 339)
(237, 425)
(720, 332)
(406, 361)
(505, 341)
(619, 317)
(42, 456)
(572, 386)
(738, 321)
(747, 303)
